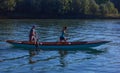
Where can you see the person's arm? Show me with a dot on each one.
(66, 33)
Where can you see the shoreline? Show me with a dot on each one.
(61, 17)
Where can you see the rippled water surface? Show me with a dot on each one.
(101, 59)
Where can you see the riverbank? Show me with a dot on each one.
(35, 16)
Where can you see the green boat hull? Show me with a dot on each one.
(57, 45)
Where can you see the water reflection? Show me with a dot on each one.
(62, 57)
(31, 54)
(92, 51)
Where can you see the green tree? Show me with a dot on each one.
(93, 7)
(108, 8)
(89, 7)
(85, 6)
(116, 3)
(103, 9)
(111, 8)
(76, 6)
(65, 6)
(59, 7)
(7, 5)
(10, 4)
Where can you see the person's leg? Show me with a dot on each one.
(64, 39)
(30, 38)
(61, 39)
(34, 39)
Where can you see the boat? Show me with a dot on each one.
(56, 45)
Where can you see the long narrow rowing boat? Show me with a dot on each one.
(57, 45)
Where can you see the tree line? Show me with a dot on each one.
(59, 8)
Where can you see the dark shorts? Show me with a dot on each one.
(62, 38)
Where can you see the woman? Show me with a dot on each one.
(32, 35)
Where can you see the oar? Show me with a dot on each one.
(37, 45)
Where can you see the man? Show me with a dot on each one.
(62, 38)
(32, 35)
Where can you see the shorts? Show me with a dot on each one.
(32, 38)
(62, 38)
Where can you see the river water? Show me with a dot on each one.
(101, 59)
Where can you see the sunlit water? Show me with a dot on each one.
(101, 59)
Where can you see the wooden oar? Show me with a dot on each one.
(37, 46)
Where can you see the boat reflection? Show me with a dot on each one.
(62, 55)
(31, 54)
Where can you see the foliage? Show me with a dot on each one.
(7, 5)
(116, 3)
(59, 7)
(108, 8)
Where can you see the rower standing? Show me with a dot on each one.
(62, 37)
(32, 35)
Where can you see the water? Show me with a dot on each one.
(101, 59)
